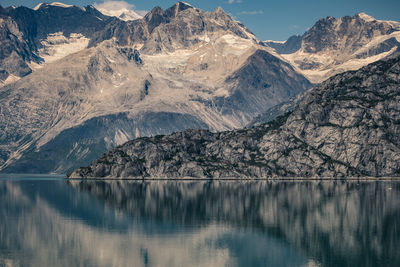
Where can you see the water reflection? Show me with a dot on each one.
(121, 223)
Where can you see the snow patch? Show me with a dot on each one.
(57, 46)
(395, 25)
(275, 42)
(234, 45)
(204, 38)
(60, 4)
(222, 92)
(38, 6)
(366, 17)
(121, 137)
(187, 4)
(10, 79)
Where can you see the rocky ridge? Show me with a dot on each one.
(347, 126)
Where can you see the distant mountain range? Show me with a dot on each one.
(77, 81)
(333, 45)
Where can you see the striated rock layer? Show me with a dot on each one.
(348, 126)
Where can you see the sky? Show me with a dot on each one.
(267, 19)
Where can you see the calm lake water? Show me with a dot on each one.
(52, 222)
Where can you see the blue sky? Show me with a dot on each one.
(268, 19)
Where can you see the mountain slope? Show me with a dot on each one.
(333, 45)
(348, 126)
(172, 70)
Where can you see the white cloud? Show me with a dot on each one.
(254, 12)
(234, 1)
(111, 8)
(114, 5)
(294, 27)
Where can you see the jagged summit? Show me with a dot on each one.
(170, 12)
(219, 10)
(180, 26)
(178, 7)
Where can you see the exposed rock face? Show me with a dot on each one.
(13, 50)
(348, 126)
(278, 110)
(329, 33)
(334, 45)
(261, 82)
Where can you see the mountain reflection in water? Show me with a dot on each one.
(125, 223)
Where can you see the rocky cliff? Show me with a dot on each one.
(347, 126)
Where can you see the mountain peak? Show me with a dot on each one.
(156, 10)
(178, 7)
(221, 14)
(219, 10)
(183, 5)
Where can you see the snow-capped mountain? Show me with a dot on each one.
(99, 81)
(334, 45)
